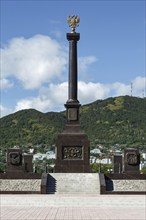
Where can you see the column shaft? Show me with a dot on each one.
(72, 93)
(73, 69)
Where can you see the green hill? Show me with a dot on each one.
(120, 120)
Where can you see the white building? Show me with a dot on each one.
(144, 156)
(95, 151)
(92, 159)
(106, 160)
(48, 155)
(39, 156)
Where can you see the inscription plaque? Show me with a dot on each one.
(132, 158)
(72, 152)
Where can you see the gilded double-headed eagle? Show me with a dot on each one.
(73, 22)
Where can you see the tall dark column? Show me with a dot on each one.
(72, 105)
(73, 70)
(72, 145)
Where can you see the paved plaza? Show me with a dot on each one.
(75, 207)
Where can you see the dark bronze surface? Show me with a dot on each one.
(131, 160)
(117, 164)
(18, 162)
(28, 166)
(14, 160)
(73, 72)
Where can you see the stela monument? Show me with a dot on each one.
(72, 145)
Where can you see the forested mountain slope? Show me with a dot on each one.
(120, 120)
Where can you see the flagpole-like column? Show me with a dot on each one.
(72, 105)
(73, 70)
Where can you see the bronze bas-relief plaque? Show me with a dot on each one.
(15, 158)
(132, 158)
(72, 152)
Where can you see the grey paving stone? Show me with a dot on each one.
(73, 207)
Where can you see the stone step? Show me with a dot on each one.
(73, 183)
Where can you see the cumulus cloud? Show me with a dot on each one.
(120, 89)
(38, 61)
(138, 87)
(39, 103)
(49, 98)
(5, 84)
(33, 61)
(53, 97)
(89, 92)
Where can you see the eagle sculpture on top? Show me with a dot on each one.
(73, 22)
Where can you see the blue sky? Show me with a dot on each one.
(34, 52)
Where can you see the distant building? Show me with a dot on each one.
(144, 156)
(92, 159)
(105, 160)
(39, 156)
(95, 151)
(48, 155)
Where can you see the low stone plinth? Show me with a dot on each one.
(129, 185)
(20, 183)
(123, 183)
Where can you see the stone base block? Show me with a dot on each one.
(73, 153)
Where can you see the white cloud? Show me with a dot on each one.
(120, 89)
(139, 85)
(84, 62)
(5, 84)
(89, 92)
(38, 60)
(38, 103)
(49, 99)
(53, 97)
(5, 111)
(33, 61)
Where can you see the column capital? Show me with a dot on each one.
(73, 36)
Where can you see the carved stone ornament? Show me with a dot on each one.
(73, 22)
(74, 152)
(132, 158)
(15, 158)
